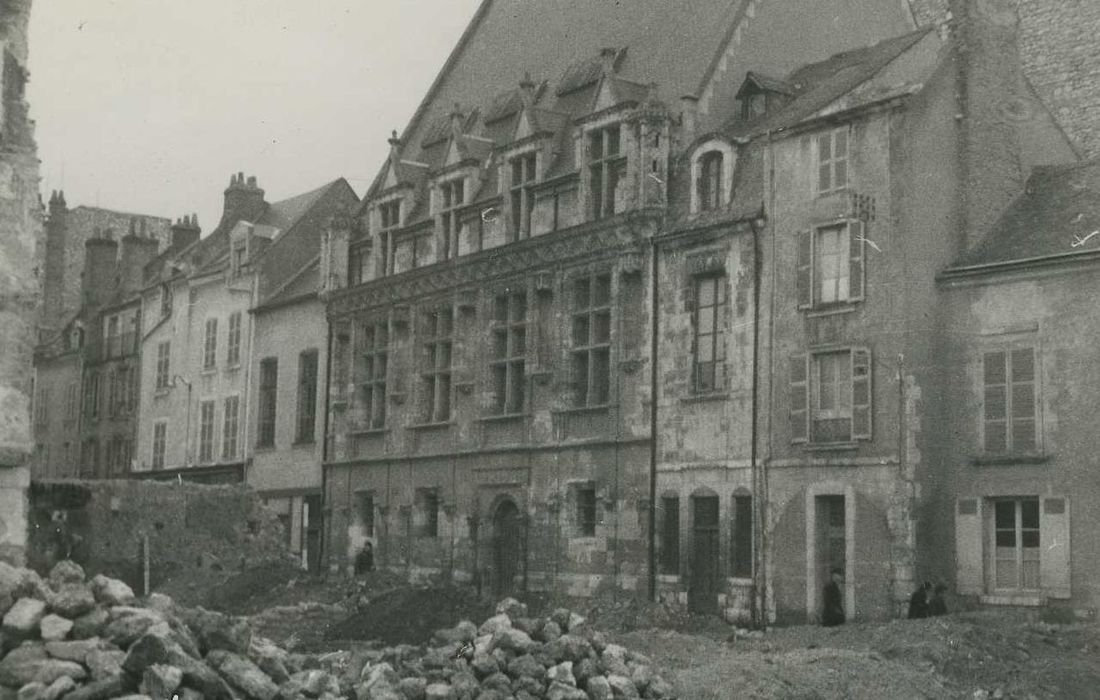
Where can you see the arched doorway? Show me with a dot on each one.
(507, 547)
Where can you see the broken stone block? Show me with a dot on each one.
(71, 600)
(110, 591)
(104, 664)
(161, 681)
(243, 674)
(90, 624)
(54, 628)
(21, 620)
(66, 572)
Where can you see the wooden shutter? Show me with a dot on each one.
(800, 398)
(968, 546)
(1054, 550)
(804, 281)
(861, 394)
(856, 267)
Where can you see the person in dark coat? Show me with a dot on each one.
(918, 602)
(833, 614)
(937, 605)
(364, 561)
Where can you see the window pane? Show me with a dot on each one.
(519, 308)
(1006, 570)
(1023, 401)
(603, 291)
(824, 147)
(994, 368)
(1023, 365)
(706, 319)
(1023, 435)
(841, 178)
(1006, 538)
(613, 141)
(706, 348)
(603, 327)
(1004, 514)
(500, 344)
(1029, 513)
(841, 143)
(1030, 538)
(706, 292)
(581, 293)
(580, 330)
(601, 377)
(995, 437)
(994, 402)
(519, 342)
(823, 178)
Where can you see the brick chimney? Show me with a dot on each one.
(134, 254)
(53, 284)
(244, 200)
(185, 232)
(100, 268)
(991, 99)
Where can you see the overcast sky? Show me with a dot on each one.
(149, 105)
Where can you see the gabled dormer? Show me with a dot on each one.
(389, 206)
(761, 94)
(453, 185)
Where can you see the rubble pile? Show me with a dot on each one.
(511, 655)
(67, 638)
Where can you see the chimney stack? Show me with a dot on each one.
(527, 90)
(607, 60)
(53, 284)
(185, 232)
(100, 265)
(134, 254)
(689, 114)
(244, 200)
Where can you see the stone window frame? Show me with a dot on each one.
(267, 413)
(436, 363)
(604, 170)
(669, 559)
(231, 426)
(210, 344)
(372, 372)
(164, 365)
(305, 424)
(828, 160)
(233, 340)
(807, 265)
(521, 195)
(390, 213)
(159, 444)
(729, 162)
(590, 347)
(585, 514)
(207, 433)
(506, 357)
(738, 506)
(803, 395)
(1009, 348)
(448, 213)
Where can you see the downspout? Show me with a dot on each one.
(655, 315)
(757, 480)
(246, 457)
(326, 523)
(763, 496)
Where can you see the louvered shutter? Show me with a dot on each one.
(968, 546)
(804, 281)
(856, 266)
(800, 398)
(861, 394)
(1054, 550)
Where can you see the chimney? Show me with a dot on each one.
(185, 232)
(244, 200)
(334, 253)
(53, 284)
(607, 60)
(134, 254)
(527, 90)
(98, 277)
(990, 92)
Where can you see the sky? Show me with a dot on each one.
(148, 106)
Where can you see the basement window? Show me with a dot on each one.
(586, 511)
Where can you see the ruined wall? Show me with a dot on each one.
(20, 231)
(192, 528)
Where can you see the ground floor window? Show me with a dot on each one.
(1016, 544)
(670, 535)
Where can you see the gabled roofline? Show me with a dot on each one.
(265, 305)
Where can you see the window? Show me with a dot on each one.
(429, 501)
(206, 432)
(269, 382)
(606, 167)
(452, 197)
(586, 511)
(592, 340)
(91, 396)
(830, 265)
(830, 396)
(741, 538)
(112, 393)
(160, 438)
(41, 401)
(165, 301)
(710, 181)
(307, 395)
(523, 199)
(754, 105)
(114, 341)
(210, 345)
(230, 429)
(130, 334)
(366, 513)
(670, 535)
(164, 355)
(233, 344)
(71, 401)
(1016, 544)
(389, 218)
(709, 346)
(436, 375)
(357, 265)
(374, 367)
(832, 160)
(509, 351)
(1009, 412)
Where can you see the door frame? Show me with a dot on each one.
(520, 541)
(813, 584)
(693, 589)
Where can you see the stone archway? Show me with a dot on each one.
(507, 543)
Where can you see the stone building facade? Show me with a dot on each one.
(20, 238)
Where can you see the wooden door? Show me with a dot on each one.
(703, 585)
(507, 548)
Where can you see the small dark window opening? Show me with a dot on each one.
(586, 512)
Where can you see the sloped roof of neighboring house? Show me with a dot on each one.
(1058, 213)
(816, 86)
(303, 285)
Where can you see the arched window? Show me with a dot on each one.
(710, 180)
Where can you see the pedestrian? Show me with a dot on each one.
(833, 614)
(937, 605)
(918, 602)
(364, 561)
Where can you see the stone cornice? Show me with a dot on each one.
(621, 233)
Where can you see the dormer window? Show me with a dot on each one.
(606, 166)
(760, 94)
(524, 176)
(712, 173)
(389, 215)
(710, 180)
(754, 105)
(452, 197)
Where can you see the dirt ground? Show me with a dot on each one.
(974, 655)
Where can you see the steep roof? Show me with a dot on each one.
(303, 285)
(1058, 213)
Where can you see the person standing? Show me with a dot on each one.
(937, 605)
(364, 561)
(918, 602)
(833, 614)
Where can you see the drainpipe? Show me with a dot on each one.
(757, 478)
(653, 427)
(326, 523)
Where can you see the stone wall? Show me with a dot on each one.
(192, 528)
